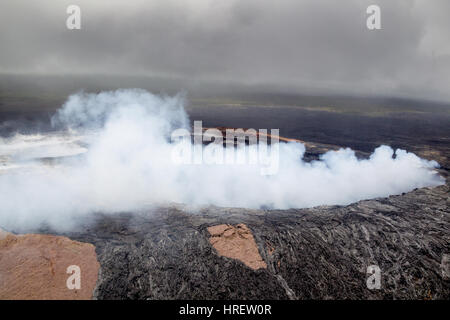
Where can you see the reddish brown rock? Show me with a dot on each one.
(34, 266)
(3, 234)
(236, 242)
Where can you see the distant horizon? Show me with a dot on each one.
(199, 88)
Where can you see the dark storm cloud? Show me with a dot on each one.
(308, 44)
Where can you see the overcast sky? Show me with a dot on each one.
(299, 44)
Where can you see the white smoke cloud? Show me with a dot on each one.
(123, 138)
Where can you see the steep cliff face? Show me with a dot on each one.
(180, 252)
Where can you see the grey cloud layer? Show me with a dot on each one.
(321, 44)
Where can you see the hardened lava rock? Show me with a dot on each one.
(318, 253)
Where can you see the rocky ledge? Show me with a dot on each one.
(180, 252)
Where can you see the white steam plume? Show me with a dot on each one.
(126, 165)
